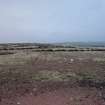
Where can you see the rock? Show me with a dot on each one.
(71, 60)
(18, 103)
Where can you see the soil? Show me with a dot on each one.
(57, 94)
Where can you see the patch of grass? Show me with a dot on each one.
(99, 59)
(14, 77)
(46, 75)
(89, 79)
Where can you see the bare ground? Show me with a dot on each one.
(55, 95)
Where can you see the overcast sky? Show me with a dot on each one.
(52, 20)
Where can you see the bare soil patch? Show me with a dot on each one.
(61, 96)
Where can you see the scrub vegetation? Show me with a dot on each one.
(24, 67)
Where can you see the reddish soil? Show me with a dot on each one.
(62, 96)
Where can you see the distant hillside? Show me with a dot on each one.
(83, 44)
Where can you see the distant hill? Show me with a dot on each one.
(82, 44)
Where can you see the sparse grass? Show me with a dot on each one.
(46, 75)
(16, 77)
(91, 80)
(21, 68)
(13, 77)
(99, 60)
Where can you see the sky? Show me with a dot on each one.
(52, 20)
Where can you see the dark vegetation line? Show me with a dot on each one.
(52, 49)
